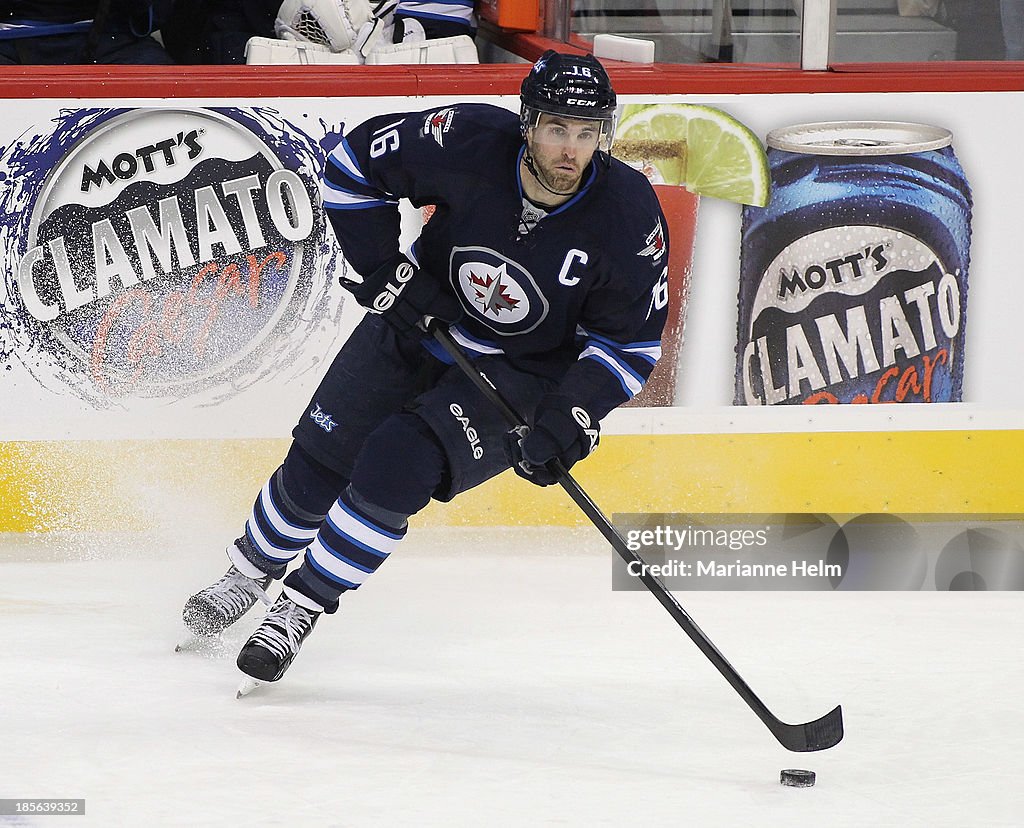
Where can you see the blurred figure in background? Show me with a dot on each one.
(216, 31)
(63, 32)
(1012, 15)
(370, 31)
(437, 18)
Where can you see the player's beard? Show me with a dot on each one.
(561, 181)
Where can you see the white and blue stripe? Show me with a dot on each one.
(609, 358)
(345, 187)
(345, 160)
(647, 351)
(616, 358)
(349, 548)
(338, 198)
(473, 346)
(458, 11)
(275, 535)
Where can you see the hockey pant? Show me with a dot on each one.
(389, 428)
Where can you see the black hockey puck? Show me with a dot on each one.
(794, 778)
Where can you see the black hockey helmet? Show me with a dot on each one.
(575, 86)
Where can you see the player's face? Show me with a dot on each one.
(562, 149)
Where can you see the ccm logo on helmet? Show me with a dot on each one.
(580, 102)
(386, 298)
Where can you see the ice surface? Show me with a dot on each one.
(493, 678)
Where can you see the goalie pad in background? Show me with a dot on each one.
(262, 51)
(457, 49)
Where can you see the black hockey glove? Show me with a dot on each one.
(561, 431)
(403, 294)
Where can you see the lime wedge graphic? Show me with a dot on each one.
(703, 148)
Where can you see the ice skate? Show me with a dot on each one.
(247, 685)
(271, 649)
(212, 610)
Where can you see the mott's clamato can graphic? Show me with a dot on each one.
(853, 280)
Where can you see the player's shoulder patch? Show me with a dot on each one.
(630, 212)
(466, 119)
(655, 243)
(467, 139)
(438, 123)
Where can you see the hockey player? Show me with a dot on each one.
(546, 258)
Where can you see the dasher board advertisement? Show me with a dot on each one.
(169, 271)
(853, 279)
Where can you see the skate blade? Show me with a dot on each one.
(247, 685)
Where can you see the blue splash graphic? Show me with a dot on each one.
(314, 309)
(25, 164)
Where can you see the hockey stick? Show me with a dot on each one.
(820, 734)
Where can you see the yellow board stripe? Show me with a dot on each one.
(143, 484)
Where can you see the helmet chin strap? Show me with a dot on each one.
(528, 159)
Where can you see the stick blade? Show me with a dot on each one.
(820, 734)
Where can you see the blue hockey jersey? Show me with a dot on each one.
(440, 18)
(579, 295)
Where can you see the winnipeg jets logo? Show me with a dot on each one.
(497, 291)
(493, 291)
(438, 123)
(655, 243)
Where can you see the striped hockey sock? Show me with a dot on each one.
(345, 552)
(277, 529)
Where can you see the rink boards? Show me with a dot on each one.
(138, 401)
(850, 459)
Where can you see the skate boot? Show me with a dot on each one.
(212, 610)
(271, 649)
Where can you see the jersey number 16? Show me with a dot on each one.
(385, 140)
(659, 294)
